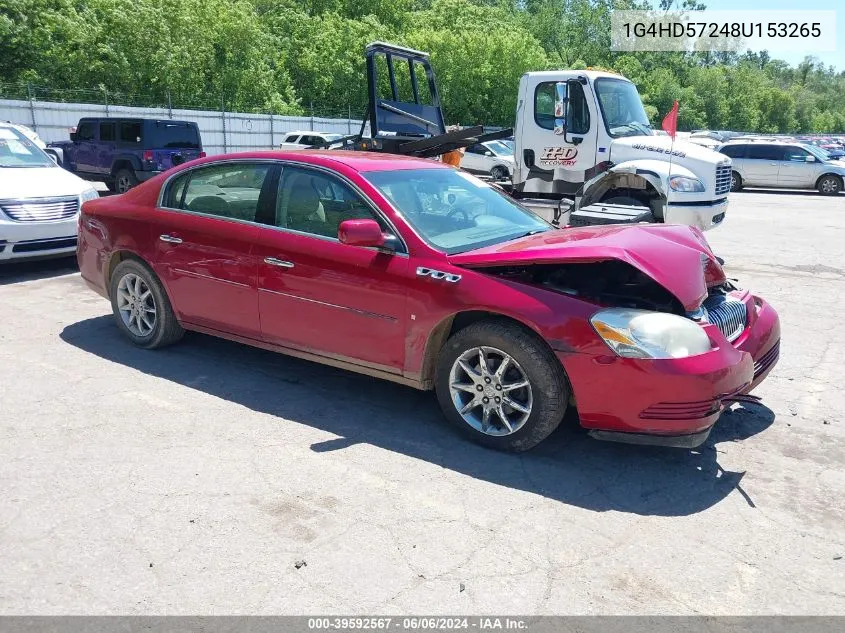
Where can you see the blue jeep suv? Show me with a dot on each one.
(123, 152)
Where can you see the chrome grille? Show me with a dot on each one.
(40, 209)
(727, 314)
(723, 178)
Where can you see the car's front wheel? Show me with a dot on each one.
(501, 385)
(736, 181)
(141, 306)
(830, 185)
(499, 172)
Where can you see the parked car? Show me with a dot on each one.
(123, 152)
(493, 158)
(778, 164)
(370, 262)
(39, 202)
(28, 132)
(305, 139)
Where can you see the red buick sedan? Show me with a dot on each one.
(412, 271)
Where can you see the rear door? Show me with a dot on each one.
(799, 168)
(106, 147)
(762, 163)
(209, 219)
(324, 297)
(172, 142)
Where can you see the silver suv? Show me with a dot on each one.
(783, 164)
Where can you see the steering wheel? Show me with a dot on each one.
(456, 211)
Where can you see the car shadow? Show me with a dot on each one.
(568, 467)
(16, 272)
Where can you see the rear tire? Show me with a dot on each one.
(141, 306)
(736, 181)
(124, 180)
(830, 185)
(539, 406)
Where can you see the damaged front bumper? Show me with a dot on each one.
(673, 402)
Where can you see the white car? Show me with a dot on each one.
(493, 158)
(306, 139)
(39, 201)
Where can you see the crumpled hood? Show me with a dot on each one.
(675, 256)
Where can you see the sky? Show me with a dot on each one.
(836, 59)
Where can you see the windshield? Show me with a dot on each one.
(622, 108)
(499, 148)
(16, 150)
(818, 152)
(453, 211)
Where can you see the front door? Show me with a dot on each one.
(798, 169)
(106, 148)
(205, 233)
(324, 297)
(85, 147)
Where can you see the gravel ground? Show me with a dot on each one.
(213, 478)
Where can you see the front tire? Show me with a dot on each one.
(501, 385)
(499, 173)
(830, 185)
(736, 181)
(141, 306)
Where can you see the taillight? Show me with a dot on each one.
(202, 154)
(148, 155)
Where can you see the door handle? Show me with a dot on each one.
(170, 239)
(278, 262)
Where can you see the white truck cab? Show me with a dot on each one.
(584, 135)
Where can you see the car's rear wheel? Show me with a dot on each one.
(499, 173)
(830, 185)
(736, 181)
(141, 307)
(124, 180)
(501, 385)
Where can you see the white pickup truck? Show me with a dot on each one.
(584, 135)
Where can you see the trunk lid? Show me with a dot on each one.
(675, 256)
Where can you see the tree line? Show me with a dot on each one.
(282, 56)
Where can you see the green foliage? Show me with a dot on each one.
(286, 56)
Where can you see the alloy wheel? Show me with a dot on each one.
(136, 305)
(123, 184)
(490, 391)
(829, 185)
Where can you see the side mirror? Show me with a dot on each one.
(73, 136)
(811, 159)
(489, 153)
(561, 99)
(360, 233)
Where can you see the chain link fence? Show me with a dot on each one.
(53, 112)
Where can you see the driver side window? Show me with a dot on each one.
(577, 111)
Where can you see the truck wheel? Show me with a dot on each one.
(141, 306)
(124, 180)
(499, 173)
(736, 181)
(830, 185)
(501, 386)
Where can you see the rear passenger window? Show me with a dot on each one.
(130, 132)
(765, 152)
(228, 191)
(106, 131)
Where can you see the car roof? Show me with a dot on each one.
(359, 161)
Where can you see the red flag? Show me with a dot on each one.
(670, 121)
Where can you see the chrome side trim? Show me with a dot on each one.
(452, 278)
(211, 277)
(374, 315)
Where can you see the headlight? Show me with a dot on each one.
(687, 185)
(89, 194)
(643, 334)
